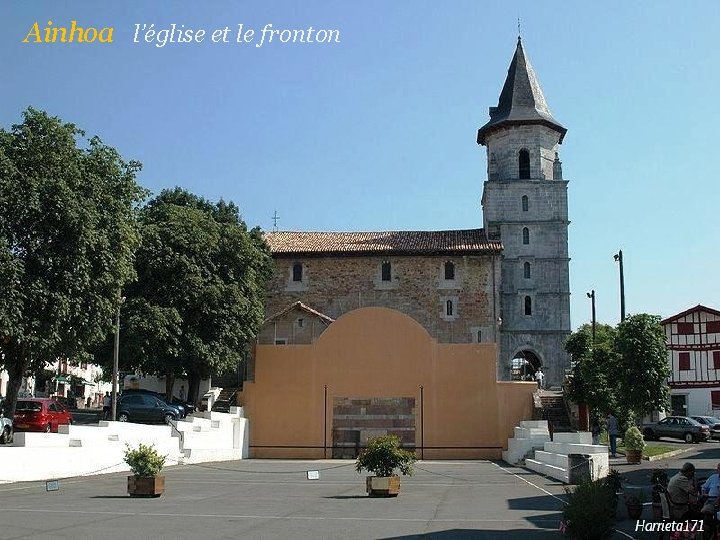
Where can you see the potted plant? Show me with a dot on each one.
(383, 457)
(634, 503)
(145, 464)
(634, 444)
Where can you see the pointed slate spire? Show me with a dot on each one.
(521, 101)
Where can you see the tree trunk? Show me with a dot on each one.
(194, 389)
(169, 383)
(16, 364)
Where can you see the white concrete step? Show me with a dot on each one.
(572, 448)
(581, 437)
(526, 433)
(41, 440)
(534, 424)
(556, 460)
(548, 470)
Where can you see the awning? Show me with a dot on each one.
(61, 378)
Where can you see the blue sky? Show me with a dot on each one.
(378, 131)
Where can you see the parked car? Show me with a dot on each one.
(5, 424)
(182, 411)
(678, 427)
(145, 408)
(40, 414)
(712, 422)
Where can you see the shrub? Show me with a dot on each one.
(384, 455)
(144, 460)
(633, 439)
(589, 510)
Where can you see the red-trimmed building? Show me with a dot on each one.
(693, 342)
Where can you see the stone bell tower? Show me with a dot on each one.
(525, 206)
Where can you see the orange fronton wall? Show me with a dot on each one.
(461, 411)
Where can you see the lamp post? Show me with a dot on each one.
(619, 259)
(591, 296)
(116, 355)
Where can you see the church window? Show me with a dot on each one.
(385, 271)
(526, 270)
(479, 336)
(297, 272)
(524, 203)
(716, 359)
(449, 308)
(526, 236)
(528, 305)
(449, 270)
(524, 164)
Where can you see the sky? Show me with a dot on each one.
(377, 131)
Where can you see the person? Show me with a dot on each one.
(682, 493)
(539, 377)
(107, 405)
(595, 430)
(711, 493)
(613, 432)
(88, 402)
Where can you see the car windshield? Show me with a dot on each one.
(712, 419)
(28, 406)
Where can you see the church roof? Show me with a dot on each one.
(468, 241)
(521, 100)
(302, 307)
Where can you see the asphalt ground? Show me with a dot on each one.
(271, 499)
(274, 499)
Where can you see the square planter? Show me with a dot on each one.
(146, 486)
(382, 486)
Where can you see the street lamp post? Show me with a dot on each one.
(619, 259)
(591, 296)
(116, 355)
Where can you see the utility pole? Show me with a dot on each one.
(591, 296)
(116, 354)
(619, 259)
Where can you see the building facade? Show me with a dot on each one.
(693, 343)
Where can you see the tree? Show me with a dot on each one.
(642, 369)
(199, 297)
(68, 231)
(592, 380)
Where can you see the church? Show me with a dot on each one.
(425, 334)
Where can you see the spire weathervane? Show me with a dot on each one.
(275, 219)
(519, 29)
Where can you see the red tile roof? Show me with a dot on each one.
(468, 241)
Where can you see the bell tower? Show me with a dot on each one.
(525, 206)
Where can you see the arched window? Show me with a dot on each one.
(524, 203)
(297, 272)
(526, 270)
(385, 271)
(526, 236)
(524, 164)
(528, 305)
(449, 308)
(449, 270)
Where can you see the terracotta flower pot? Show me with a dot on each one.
(146, 486)
(633, 456)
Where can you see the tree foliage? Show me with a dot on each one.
(199, 295)
(68, 232)
(625, 370)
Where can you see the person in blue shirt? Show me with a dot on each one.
(711, 490)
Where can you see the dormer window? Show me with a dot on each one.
(449, 270)
(297, 272)
(524, 203)
(385, 271)
(524, 164)
(526, 236)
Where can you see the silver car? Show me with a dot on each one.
(678, 427)
(712, 422)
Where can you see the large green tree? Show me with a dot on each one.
(199, 297)
(624, 370)
(68, 231)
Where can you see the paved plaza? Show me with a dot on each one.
(271, 499)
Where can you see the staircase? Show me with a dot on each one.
(226, 399)
(554, 411)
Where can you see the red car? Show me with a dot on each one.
(40, 414)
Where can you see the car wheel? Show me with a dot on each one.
(123, 417)
(689, 438)
(48, 428)
(5, 435)
(169, 418)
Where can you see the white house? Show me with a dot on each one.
(693, 343)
